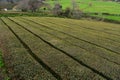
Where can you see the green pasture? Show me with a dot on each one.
(97, 5)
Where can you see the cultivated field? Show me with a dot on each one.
(44, 48)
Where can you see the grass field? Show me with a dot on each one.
(43, 48)
(97, 5)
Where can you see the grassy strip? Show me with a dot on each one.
(22, 65)
(66, 47)
(14, 14)
(116, 18)
(112, 29)
(66, 65)
(109, 17)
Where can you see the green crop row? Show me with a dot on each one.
(63, 65)
(18, 61)
(94, 26)
(59, 34)
(85, 45)
(93, 38)
(63, 43)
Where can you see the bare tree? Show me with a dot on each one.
(57, 10)
(23, 5)
(35, 4)
(32, 5)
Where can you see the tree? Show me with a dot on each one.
(23, 5)
(57, 10)
(35, 4)
(10, 1)
(67, 12)
(5, 4)
(32, 5)
(76, 12)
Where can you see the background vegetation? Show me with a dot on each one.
(107, 9)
